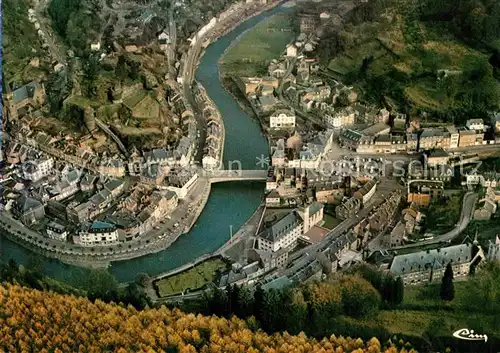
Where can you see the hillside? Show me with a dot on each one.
(36, 321)
(420, 56)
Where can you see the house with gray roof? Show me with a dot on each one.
(29, 97)
(28, 210)
(428, 266)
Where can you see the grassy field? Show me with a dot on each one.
(193, 278)
(330, 221)
(424, 313)
(442, 216)
(251, 55)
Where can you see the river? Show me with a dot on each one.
(229, 204)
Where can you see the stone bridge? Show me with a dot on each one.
(219, 176)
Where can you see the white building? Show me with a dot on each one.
(97, 233)
(282, 119)
(475, 124)
(182, 183)
(311, 215)
(37, 169)
(454, 136)
(291, 50)
(56, 231)
(282, 234)
(209, 162)
(473, 179)
(95, 46)
(345, 117)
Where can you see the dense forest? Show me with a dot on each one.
(42, 322)
(76, 21)
(313, 307)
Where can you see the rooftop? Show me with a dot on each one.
(435, 259)
(281, 227)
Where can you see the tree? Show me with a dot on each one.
(258, 303)
(398, 291)
(90, 72)
(142, 279)
(447, 289)
(101, 284)
(121, 68)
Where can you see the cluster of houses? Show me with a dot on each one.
(215, 133)
(298, 154)
(360, 198)
(408, 225)
(380, 139)
(279, 237)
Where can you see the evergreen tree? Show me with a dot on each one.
(447, 289)
(398, 291)
(245, 303)
(258, 303)
(388, 290)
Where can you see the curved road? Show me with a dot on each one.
(469, 202)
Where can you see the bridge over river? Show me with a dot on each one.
(219, 176)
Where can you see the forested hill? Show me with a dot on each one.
(42, 322)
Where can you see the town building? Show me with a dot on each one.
(181, 182)
(454, 136)
(248, 85)
(273, 199)
(467, 138)
(28, 210)
(25, 99)
(311, 215)
(36, 169)
(282, 118)
(291, 51)
(376, 130)
(348, 208)
(437, 157)
(56, 231)
(428, 266)
(411, 142)
(430, 138)
(422, 192)
(88, 182)
(495, 122)
(282, 234)
(475, 124)
(342, 118)
(367, 191)
(97, 233)
(267, 103)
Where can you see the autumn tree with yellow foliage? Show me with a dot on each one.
(42, 322)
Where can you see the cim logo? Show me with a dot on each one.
(469, 335)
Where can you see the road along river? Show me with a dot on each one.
(229, 204)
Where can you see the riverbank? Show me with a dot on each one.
(102, 256)
(237, 244)
(228, 203)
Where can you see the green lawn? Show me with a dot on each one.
(193, 278)
(441, 216)
(423, 312)
(330, 221)
(257, 47)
